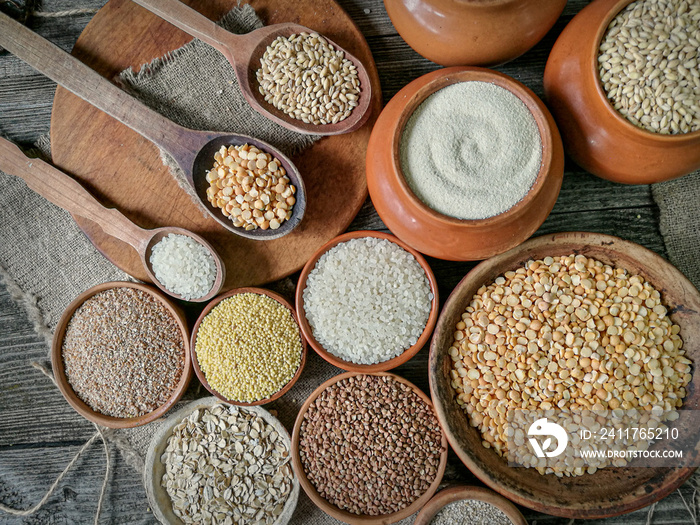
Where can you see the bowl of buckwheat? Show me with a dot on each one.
(622, 84)
(212, 462)
(368, 448)
(559, 366)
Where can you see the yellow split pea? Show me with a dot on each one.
(248, 347)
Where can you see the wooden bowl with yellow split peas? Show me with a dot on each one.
(252, 370)
(611, 490)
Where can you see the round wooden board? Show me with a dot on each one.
(124, 170)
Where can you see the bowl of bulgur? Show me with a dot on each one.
(120, 354)
(568, 322)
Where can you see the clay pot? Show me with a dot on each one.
(596, 136)
(438, 235)
(336, 512)
(609, 491)
(473, 32)
(468, 492)
(348, 365)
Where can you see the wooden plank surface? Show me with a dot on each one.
(39, 432)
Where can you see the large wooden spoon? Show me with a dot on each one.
(67, 193)
(192, 150)
(244, 53)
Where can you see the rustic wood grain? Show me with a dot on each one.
(39, 432)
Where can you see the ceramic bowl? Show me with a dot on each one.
(609, 491)
(195, 363)
(153, 472)
(332, 510)
(438, 235)
(466, 492)
(59, 371)
(473, 32)
(348, 365)
(596, 136)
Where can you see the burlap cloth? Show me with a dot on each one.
(679, 222)
(46, 261)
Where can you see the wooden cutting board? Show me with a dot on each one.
(124, 170)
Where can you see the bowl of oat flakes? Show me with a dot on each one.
(579, 322)
(214, 461)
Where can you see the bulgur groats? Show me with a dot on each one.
(248, 347)
(123, 352)
(566, 333)
(251, 187)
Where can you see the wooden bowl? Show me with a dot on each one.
(596, 136)
(153, 472)
(332, 510)
(60, 374)
(462, 492)
(195, 363)
(436, 234)
(610, 491)
(473, 32)
(348, 365)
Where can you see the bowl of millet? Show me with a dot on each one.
(247, 348)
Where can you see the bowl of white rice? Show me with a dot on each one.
(367, 302)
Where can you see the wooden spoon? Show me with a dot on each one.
(65, 192)
(192, 150)
(244, 53)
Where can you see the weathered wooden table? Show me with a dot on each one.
(40, 433)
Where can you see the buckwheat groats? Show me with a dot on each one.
(370, 445)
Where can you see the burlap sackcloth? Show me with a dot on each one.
(46, 261)
(679, 221)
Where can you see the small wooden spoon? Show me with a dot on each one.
(65, 192)
(192, 150)
(244, 53)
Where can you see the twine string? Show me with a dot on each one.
(54, 485)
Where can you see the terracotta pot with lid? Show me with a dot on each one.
(473, 32)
